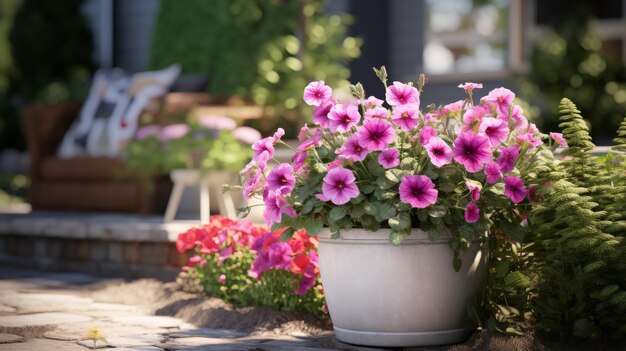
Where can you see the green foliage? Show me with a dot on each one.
(275, 289)
(149, 157)
(222, 39)
(7, 11)
(289, 62)
(569, 60)
(50, 43)
(253, 48)
(582, 288)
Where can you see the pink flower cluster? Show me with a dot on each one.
(298, 255)
(483, 141)
(225, 237)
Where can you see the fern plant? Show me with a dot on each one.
(582, 290)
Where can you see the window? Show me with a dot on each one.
(464, 36)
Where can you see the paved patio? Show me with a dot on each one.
(48, 312)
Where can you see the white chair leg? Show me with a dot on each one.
(205, 203)
(229, 205)
(174, 202)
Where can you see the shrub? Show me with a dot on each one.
(247, 265)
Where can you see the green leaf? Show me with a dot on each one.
(383, 183)
(466, 231)
(307, 207)
(392, 176)
(313, 227)
(401, 222)
(367, 188)
(357, 211)
(437, 211)
(434, 233)
(422, 215)
(516, 280)
(337, 213)
(335, 235)
(497, 189)
(396, 238)
(387, 195)
(368, 208)
(320, 167)
(502, 268)
(287, 234)
(447, 171)
(383, 211)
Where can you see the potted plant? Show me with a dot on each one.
(213, 145)
(402, 199)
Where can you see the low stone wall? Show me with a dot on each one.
(121, 246)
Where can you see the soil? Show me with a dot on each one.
(168, 299)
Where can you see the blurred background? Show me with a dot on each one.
(265, 51)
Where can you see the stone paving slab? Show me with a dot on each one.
(141, 348)
(30, 302)
(40, 319)
(9, 338)
(125, 342)
(153, 322)
(124, 327)
(109, 329)
(6, 309)
(42, 345)
(207, 333)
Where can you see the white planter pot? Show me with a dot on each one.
(407, 295)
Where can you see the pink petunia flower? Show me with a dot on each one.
(343, 116)
(472, 118)
(402, 94)
(275, 206)
(372, 102)
(496, 130)
(520, 123)
(418, 191)
(147, 131)
(376, 112)
(474, 190)
(470, 86)
(263, 145)
(508, 158)
(320, 113)
(453, 107)
(222, 279)
(247, 135)
(406, 116)
(352, 149)
(439, 152)
(492, 171)
(317, 92)
(502, 98)
(472, 213)
(217, 122)
(389, 158)
(280, 255)
(339, 186)
(425, 134)
(173, 131)
(375, 134)
(334, 164)
(299, 160)
(314, 141)
(528, 140)
(472, 151)
(281, 179)
(559, 139)
(514, 189)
